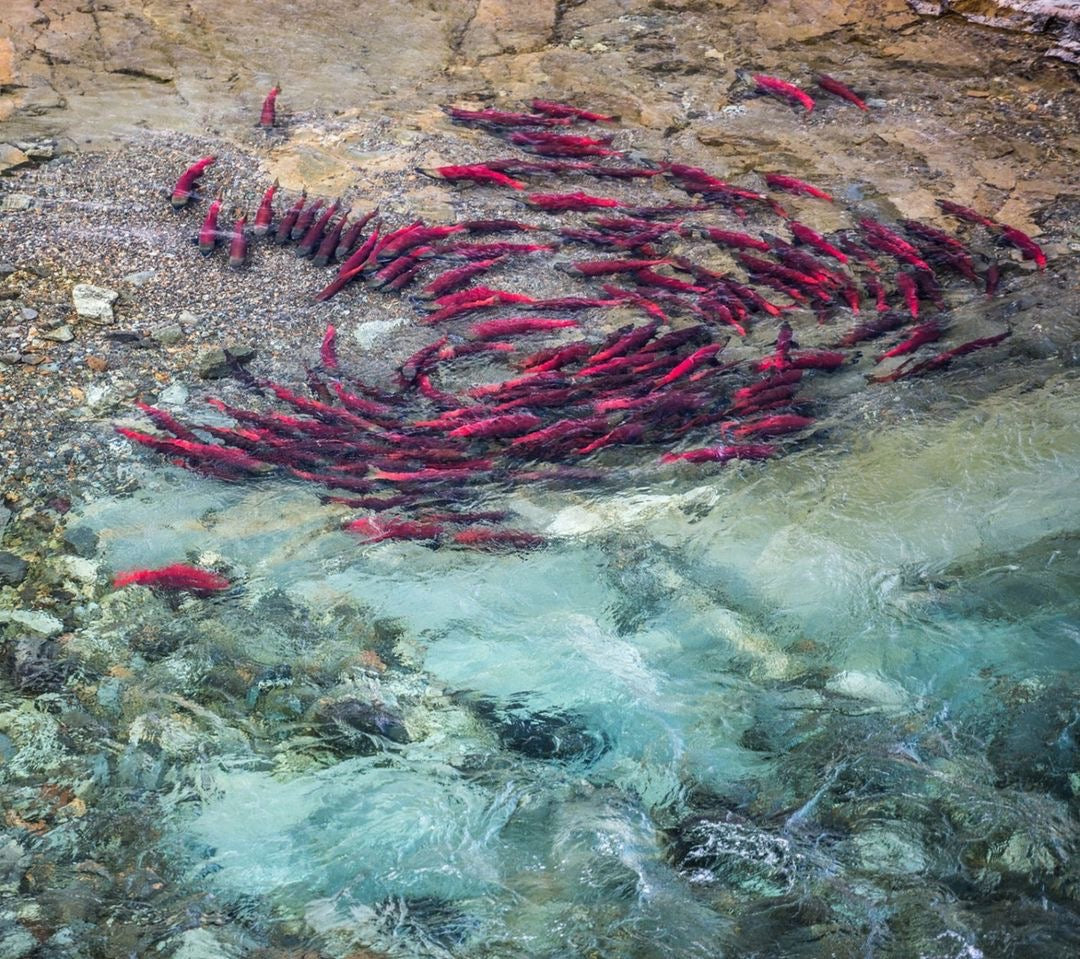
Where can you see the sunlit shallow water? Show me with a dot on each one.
(820, 707)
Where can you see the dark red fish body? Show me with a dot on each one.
(481, 251)
(548, 108)
(328, 349)
(360, 258)
(166, 421)
(503, 118)
(804, 234)
(1025, 244)
(375, 530)
(178, 577)
(185, 187)
(923, 333)
(208, 235)
(352, 236)
(835, 87)
(610, 267)
(562, 202)
(288, 221)
(515, 326)
(306, 218)
(238, 245)
(879, 326)
(784, 90)
(722, 454)
(265, 214)
(497, 226)
(692, 362)
(734, 240)
(942, 359)
(965, 213)
(622, 435)
(788, 184)
(905, 283)
(311, 239)
(512, 424)
(497, 540)
(556, 357)
(475, 173)
(268, 115)
(816, 360)
(329, 243)
(385, 277)
(446, 282)
(773, 425)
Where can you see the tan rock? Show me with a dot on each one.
(11, 157)
(997, 173)
(508, 26)
(7, 62)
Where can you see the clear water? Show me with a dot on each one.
(824, 707)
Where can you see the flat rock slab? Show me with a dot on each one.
(94, 302)
(508, 26)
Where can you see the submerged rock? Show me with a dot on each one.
(732, 851)
(354, 727)
(35, 666)
(542, 734)
(12, 569)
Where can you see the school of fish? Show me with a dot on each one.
(415, 458)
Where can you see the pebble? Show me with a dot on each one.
(94, 302)
(29, 314)
(6, 269)
(62, 334)
(12, 568)
(168, 335)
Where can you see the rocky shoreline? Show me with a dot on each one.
(117, 704)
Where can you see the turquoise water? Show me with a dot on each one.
(824, 706)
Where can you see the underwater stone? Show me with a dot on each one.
(543, 735)
(81, 540)
(169, 334)
(212, 364)
(351, 725)
(34, 666)
(730, 850)
(34, 620)
(12, 568)
(864, 686)
(15, 941)
(881, 849)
